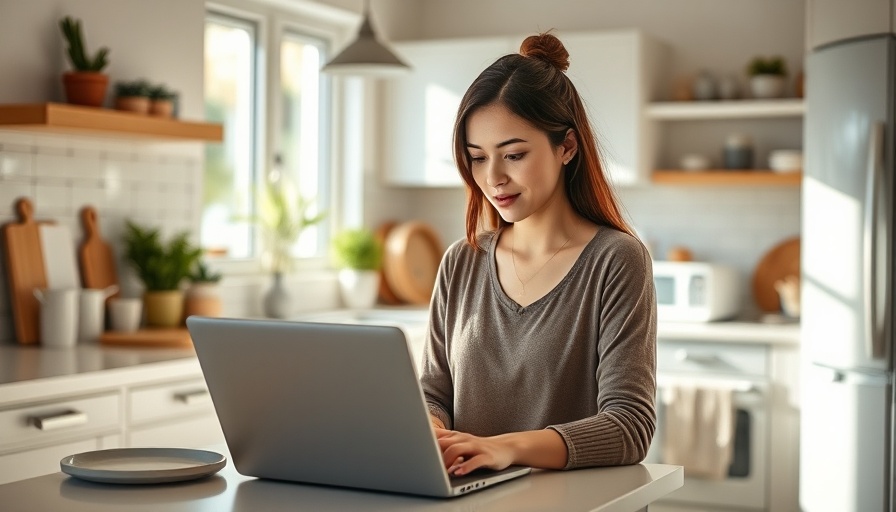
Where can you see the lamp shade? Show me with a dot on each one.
(366, 56)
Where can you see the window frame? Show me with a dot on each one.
(272, 23)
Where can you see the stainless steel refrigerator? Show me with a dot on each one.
(847, 436)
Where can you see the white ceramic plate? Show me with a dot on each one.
(142, 465)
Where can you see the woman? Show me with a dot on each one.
(542, 341)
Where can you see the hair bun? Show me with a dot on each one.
(548, 48)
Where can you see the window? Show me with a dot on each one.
(239, 67)
(301, 127)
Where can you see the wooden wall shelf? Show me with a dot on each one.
(64, 118)
(754, 177)
(734, 109)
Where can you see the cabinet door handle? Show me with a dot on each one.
(682, 355)
(70, 418)
(192, 397)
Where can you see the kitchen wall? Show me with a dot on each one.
(734, 225)
(155, 184)
(162, 40)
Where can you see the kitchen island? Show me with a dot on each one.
(616, 489)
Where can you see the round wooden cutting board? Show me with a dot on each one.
(385, 295)
(781, 261)
(411, 261)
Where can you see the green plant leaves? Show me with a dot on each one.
(160, 265)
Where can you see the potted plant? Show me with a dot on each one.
(358, 254)
(161, 101)
(283, 215)
(203, 297)
(86, 85)
(161, 266)
(767, 77)
(132, 96)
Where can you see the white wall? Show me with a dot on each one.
(732, 225)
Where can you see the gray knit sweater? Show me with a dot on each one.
(580, 360)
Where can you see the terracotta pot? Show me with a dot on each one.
(161, 108)
(203, 299)
(767, 86)
(85, 88)
(164, 308)
(137, 104)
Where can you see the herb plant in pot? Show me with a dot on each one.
(358, 254)
(161, 266)
(203, 297)
(283, 215)
(767, 77)
(86, 84)
(132, 96)
(161, 101)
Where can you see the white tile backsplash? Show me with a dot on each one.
(154, 184)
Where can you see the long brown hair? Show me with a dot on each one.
(532, 84)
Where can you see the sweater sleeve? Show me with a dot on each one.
(435, 378)
(621, 431)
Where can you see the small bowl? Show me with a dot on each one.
(694, 162)
(785, 160)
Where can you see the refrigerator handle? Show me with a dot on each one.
(874, 339)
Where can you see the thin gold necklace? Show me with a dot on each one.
(513, 260)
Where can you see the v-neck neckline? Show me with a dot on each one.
(515, 306)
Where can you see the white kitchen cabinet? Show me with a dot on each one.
(419, 108)
(614, 73)
(113, 398)
(178, 414)
(35, 436)
(833, 20)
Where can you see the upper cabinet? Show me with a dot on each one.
(419, 108)
(616, 75)
(611, 71)
(832, 20)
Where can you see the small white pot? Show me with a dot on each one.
(359, 288)
(767, 86)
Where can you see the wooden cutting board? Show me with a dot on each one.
(386, 295)
(25, 271)
(780, 261)
(412, 256)
(98, 269)
(174, 337)
(58, 250)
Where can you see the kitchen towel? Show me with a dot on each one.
(698, 429)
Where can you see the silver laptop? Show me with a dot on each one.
(332, 404)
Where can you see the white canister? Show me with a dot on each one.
(92, 312)
(58, 316)
(125, 314)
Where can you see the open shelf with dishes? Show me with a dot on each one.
(62, 118)
(701, 128)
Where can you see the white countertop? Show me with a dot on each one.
(613, 489)
(734, 331)
(28, 371)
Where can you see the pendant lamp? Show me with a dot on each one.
(366, 56)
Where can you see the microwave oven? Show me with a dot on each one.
(689, 291)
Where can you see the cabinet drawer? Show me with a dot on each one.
(196, 432)
(52, 422)
(40, 461)
(168, 400)
(712, 358)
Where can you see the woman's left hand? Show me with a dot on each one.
(463, 453)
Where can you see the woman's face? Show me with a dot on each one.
(514, 163)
